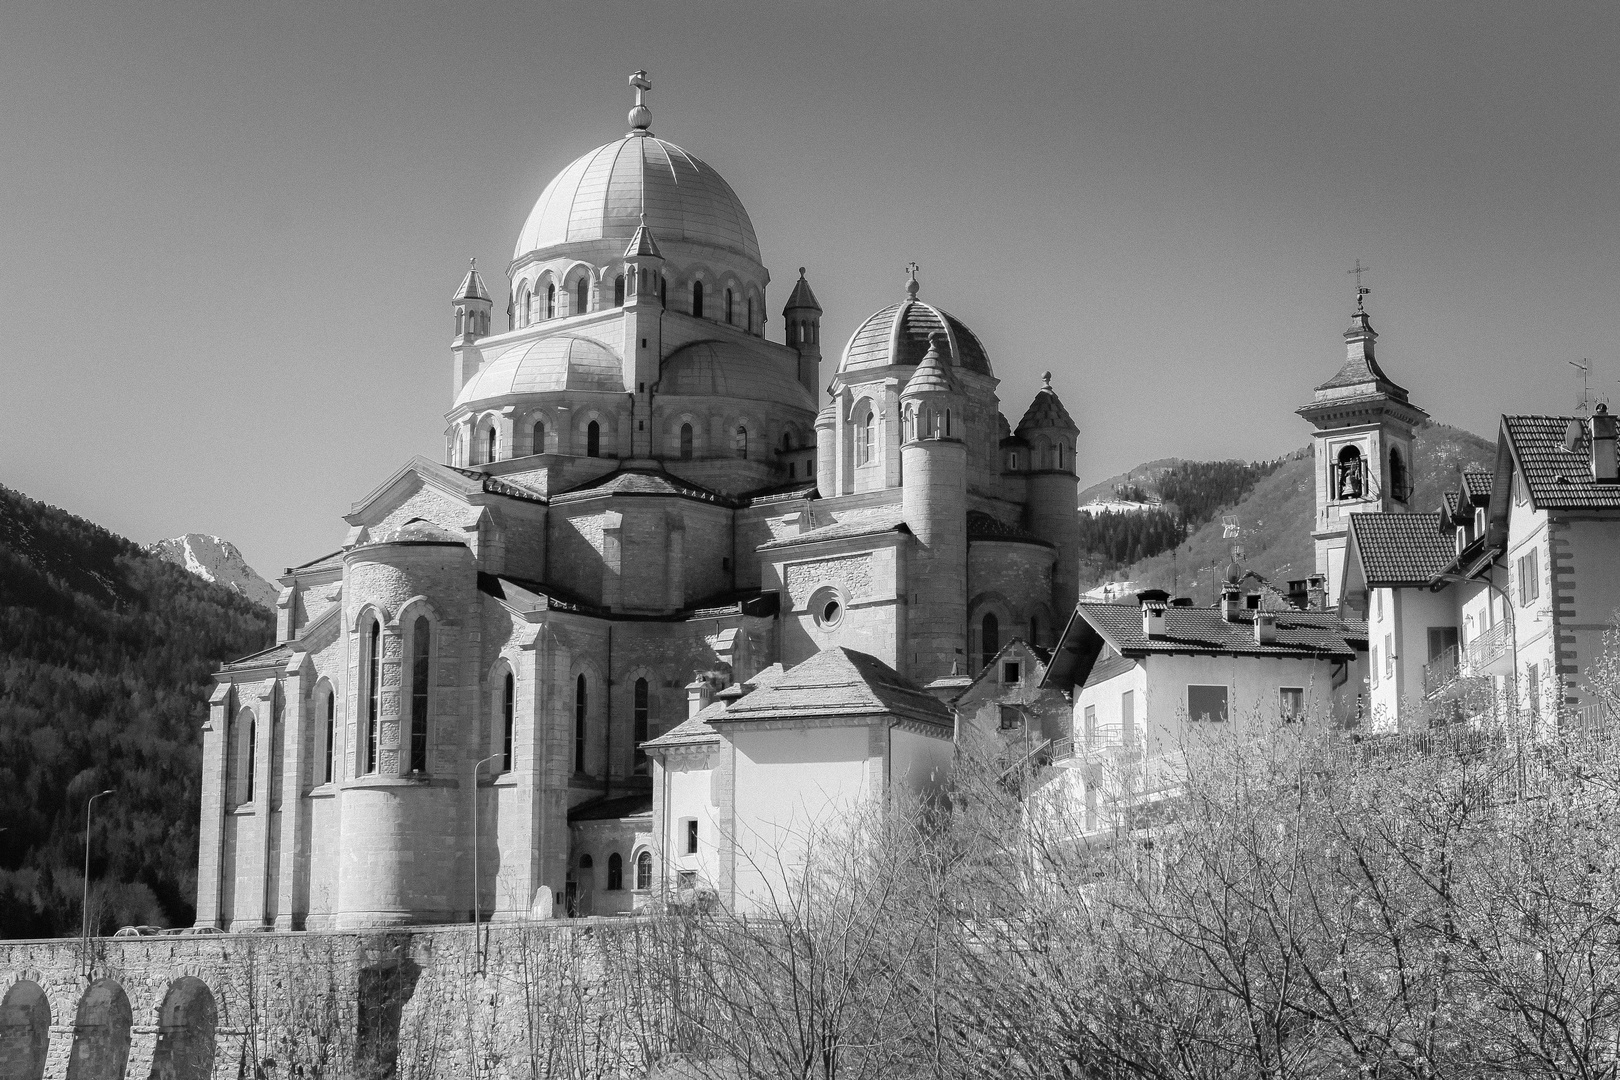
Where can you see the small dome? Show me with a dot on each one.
(416, 531)
(604, 195)
(546, 366)
(899, 335)
(725, 369)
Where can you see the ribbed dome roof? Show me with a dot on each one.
(1047, 412)
(603, 195)
(550, 364)
(725, 369)
(899, 335)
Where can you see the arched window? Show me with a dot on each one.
(582, 295)
(489, 445)
(593, 439)
(373, 692)
(989, 639)
(697, 299)
(523, 308)
(663, 291)
(739, 442)
(579, 724)
(419, 694)
(1398, 480)
(247, 734)
(686, 442)
(539, 443)
(728, 306)
(866, 437)
(508, 718)
(551, 301)
(750, 314)
(640, 711)
(618, 291)
(787, 441)
(1349, 483)
(615, 872)
(1034, 629)
(331, 732)
(644, 871)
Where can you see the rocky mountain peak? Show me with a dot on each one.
(218, 560)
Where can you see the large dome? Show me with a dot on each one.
(602, 196)
(547, 366)
(899, 335)
(725, 369)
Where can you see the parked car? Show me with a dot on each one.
(199, 930)
(138, 931)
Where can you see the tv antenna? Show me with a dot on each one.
(1585, 368)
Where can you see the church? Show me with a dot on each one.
(671, 589)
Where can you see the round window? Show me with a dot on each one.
(830, 613)
(827, 608)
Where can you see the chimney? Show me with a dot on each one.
(1265, 627)
(1153, 618)
(1316, 592)
(1231, 601)
(1605, 468)
(1298, 596)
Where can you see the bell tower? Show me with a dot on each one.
(1362, 445)
(803, 318)
(472, 309)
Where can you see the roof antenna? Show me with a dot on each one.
(1584, 404)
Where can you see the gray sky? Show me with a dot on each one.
(230, 231)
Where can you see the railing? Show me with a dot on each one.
(1440, 671)
(1489, 647)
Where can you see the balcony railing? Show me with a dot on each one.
(1487, 650)
(1440, 671)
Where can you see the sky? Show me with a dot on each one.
(229, 233)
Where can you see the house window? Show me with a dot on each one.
(1372, 665)
(1127, 717)
(989, 639)
(865, 437)
(1011, 671)
(1010, 717)
(615, 872)
(419, 694)
(1389, 656)
(331, 731)
(508, 715)
(644, 871)
(1378, 602)
(579, 724)
(739, 442)
(1090, 730)
(1206, 702)
(686, 442)
(640, 714)
(1291, 703)
(1532, 686)
(1442, 640)
(697, 299)
(1529, 578)
(593, 439)
(373, 690)
(691, 836)
(1399, 483)
(539, 444)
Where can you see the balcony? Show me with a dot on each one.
(1441, 671)
(1491, 652)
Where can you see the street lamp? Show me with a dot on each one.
(477, 913)
(84, 908)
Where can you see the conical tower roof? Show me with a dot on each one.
(801, 296)
(1360, 367)
(931, 376)
(1047, 412)
(472, 286)
(642, 244)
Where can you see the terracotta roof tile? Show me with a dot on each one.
(839, 682)
(857, 523)
(1196, 629)
(1401, 549)
(1558, 479)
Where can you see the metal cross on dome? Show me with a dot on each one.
(1358, 270)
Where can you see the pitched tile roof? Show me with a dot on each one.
(1477, 485)
(981, 526)
(695, 730)
(1401, 549)
(275, 654)
(1558, 479)
(1203, 630)
(620, 806)
(882, 519)
(839, 682)
(641, 482)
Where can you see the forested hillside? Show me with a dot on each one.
(105, 653)
(1276, 517)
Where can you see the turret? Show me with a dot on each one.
(472, 309)
(827, 450)
(1051, 507)
(933, 462)
(803, 318)
(1363, 446)
(643, 323)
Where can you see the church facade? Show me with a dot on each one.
(645, 507)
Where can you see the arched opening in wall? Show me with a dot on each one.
(100, 1033)
(185, 1036)
(580, 726)
(25, 1032)
(686, 442)
(787, 441)
(728, 307)
(419, 694)
(508, 720)
(593, 439)
(1399, 481)
(989, 639)
(584, 885)
(538, 443)
(663, 291)
(739, 442)
(331, 735)
(618, 291)
(551, 301)
(582, 295)
(615, 881)
(373, 691)
(247, 732)
(1034, 629)
(641, 710)
(383, 992)
(750, 314)
(489, 444)
(865, 436)
(697, 299)
(1350, 478)
(644, 871)
(525, 303)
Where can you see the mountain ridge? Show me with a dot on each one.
(216, 559)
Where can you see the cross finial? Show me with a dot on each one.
(911, 282)
(1047, 379)
(472, 263)
(640, 115)
(1361, 293)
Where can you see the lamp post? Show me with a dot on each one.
(477, 912)
(84, 907)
